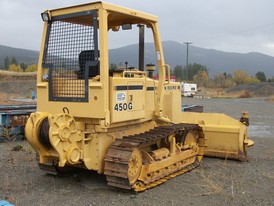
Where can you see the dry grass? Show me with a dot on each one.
(224, 95)
(224, 183)
(245, 94)
(271, 99)
(221, 93)
(209, 185)
(9, 73)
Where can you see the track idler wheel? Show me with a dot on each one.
(134, 166)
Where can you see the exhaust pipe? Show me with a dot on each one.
(141, 47)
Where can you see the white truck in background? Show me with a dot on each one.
(188, 89)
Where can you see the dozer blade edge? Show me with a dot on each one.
(225, 136)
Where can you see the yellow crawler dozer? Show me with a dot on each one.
(118, 120)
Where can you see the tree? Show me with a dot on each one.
(31, 68)
(225, 75)
(251, 79)
(240, 76)
(113, 66)
(13, 61)
(23, 66)
(6, 62)
(15, 68)
(271, 80)
(178, 73)
(201, 78)
(261, 76)
(219, 80)
(194, 69)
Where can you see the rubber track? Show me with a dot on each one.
(119, 153)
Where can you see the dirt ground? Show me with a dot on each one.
(14, 92)
(216, 182)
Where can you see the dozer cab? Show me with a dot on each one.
(118, 121)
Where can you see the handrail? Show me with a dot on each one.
(134, 72)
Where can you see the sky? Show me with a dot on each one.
(228, 25)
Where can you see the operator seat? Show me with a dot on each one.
(87, 59)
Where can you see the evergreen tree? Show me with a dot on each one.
(178, 73)
(6, 63)
(13, 61)
(261, 76)
(113, 66)
(23, 66)
(193, 69)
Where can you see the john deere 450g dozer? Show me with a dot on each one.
(118, 121)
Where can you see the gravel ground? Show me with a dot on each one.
(216, 182)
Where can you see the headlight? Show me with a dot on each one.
(45, 16)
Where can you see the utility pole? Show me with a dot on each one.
(187, 43)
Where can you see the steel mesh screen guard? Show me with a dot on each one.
(71, 55)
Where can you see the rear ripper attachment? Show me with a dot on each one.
(143, 161)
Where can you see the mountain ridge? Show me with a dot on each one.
(175, 54)
(21, 55)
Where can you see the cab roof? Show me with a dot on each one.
(117, 15)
